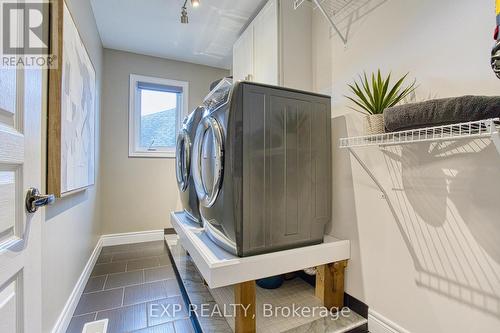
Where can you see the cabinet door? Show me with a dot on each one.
(243, 55)
(266, 44)
(296, 46)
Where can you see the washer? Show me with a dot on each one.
(495, 58)
(185, 182)
(262, 167)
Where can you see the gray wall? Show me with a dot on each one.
(139, 193)
(436, 266)
(71, 228)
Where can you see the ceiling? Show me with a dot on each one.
(153, 27)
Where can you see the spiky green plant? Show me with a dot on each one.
(374, 98)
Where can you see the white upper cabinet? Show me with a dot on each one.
(276, 47)
(243, 56)
(265, 43)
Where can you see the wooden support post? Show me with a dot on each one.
(330, 284)
(244, 299)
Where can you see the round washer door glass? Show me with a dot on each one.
(208, 159)
(183, 160)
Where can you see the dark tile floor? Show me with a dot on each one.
(134, 286)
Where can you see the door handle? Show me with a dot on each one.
(34, 200)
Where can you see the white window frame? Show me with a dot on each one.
(134, 149)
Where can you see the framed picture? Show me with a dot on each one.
(71, 111)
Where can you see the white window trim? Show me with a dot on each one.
(135, 118)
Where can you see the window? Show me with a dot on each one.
(157, 108)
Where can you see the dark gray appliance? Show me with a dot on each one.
(262, 167)
(184, 147)
(495, 52)
(495, 58)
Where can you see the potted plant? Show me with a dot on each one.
(376, 96)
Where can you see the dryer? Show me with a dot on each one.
(262, 167)
(184, 146)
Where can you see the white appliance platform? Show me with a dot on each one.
(220, 268)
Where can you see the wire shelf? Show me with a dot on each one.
(342, 8)
(469, 130)
(341, 14)
(332, 7)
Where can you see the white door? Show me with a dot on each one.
(20, 169)
(265, 43)
(243, 56)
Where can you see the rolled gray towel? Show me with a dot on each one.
(443, 111)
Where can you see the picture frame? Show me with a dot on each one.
(71, 112)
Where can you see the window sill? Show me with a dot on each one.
(152, 154)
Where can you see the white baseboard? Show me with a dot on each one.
(64, 318)
(132, 237)
(380, 324)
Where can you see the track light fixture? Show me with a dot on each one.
(184, 13)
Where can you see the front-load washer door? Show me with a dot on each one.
(208, 159)
(183, 160)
